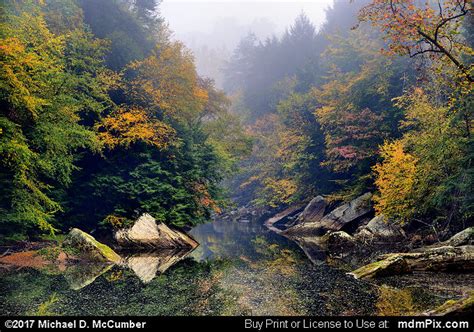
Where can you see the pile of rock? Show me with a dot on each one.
(315, 221)
(148, 247)
(451, 255)
(345, 228)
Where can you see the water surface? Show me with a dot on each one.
(240, 268)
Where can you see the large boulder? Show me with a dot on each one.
(89, 248)
(147, 233)
(346, 217)
(314, 211)
(380, 229)
(340, 242)
(465, 237)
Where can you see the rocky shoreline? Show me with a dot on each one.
(348, 235)
(147, 248)
(351, 232)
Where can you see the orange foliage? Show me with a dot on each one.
(204, 197)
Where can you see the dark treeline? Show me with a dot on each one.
(104, 117)
(364, 104)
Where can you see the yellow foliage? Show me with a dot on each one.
(395, 180)
(115, 221)
(281, 190)
(127, 126)
(167, 82)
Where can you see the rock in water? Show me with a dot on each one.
(89, 247)
(285, 214)
(349, 214)
(378, 228)
(314, 211)
(147, 233)
(463, 306)
(434, 259)
(340, 242)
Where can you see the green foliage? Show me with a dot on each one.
(435, 179)
(320, 124)
(105, 121)
(40, 129)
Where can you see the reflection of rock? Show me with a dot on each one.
(434, 259)
(89, 247)
(345, 217)
(147, 233)
(313, 247)
(147, 265)
(80, 275)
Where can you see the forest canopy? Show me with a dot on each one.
(379, 99)
(104, 117)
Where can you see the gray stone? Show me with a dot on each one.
(379, 228)
(349, 214)
(340, 242)
(314, 211)
(465, 237)
(147, 233)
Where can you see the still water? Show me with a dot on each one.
(239, 269)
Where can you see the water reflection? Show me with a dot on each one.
(80, 275)
(239, 268)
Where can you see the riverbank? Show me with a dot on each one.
(239, 268)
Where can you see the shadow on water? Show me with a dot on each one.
(239, 268)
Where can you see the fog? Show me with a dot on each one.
(212, 29)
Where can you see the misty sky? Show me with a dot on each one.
(219, 23)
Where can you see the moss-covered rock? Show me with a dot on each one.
(445, 258)
(87, 247)
(453, 307)
(393, 264)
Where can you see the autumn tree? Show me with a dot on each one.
(430, 28)
(396, 180)
(43, 77)
(424, 174)
(355, 108)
